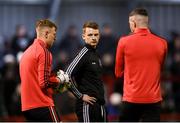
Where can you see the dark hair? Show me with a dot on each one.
(91, 24)
(139, 11)
(45, 23)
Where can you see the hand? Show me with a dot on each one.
(63, 76)
(88, 99)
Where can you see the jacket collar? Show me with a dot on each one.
(142, 30)
(90, 47)
(41, 42)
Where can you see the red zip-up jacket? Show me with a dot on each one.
(139, 58)
(36, 79)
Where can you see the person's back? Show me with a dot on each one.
(144, 53)
(140, 57)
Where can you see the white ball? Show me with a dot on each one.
(115, 98)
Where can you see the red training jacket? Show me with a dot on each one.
(139, 58)
(36, 81)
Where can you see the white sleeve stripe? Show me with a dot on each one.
(75, 90)
(72, 66)
(75, 60)
(79, 58)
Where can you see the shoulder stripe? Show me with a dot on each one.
(76, 60)
(72, 66)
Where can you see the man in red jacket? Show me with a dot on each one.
(37, 84)
(140, 57)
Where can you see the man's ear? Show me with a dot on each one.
(83, 36)
(46, 34)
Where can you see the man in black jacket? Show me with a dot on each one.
(85, 72)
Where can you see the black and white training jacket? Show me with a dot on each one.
(86, 72)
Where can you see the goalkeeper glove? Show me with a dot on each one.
(65, 81)
(63, 77)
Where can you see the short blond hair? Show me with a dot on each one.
(45, 23)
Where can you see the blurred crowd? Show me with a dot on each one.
(63, 51)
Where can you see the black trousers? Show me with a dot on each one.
(43, 114)
(134, 112)
(90, 113)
